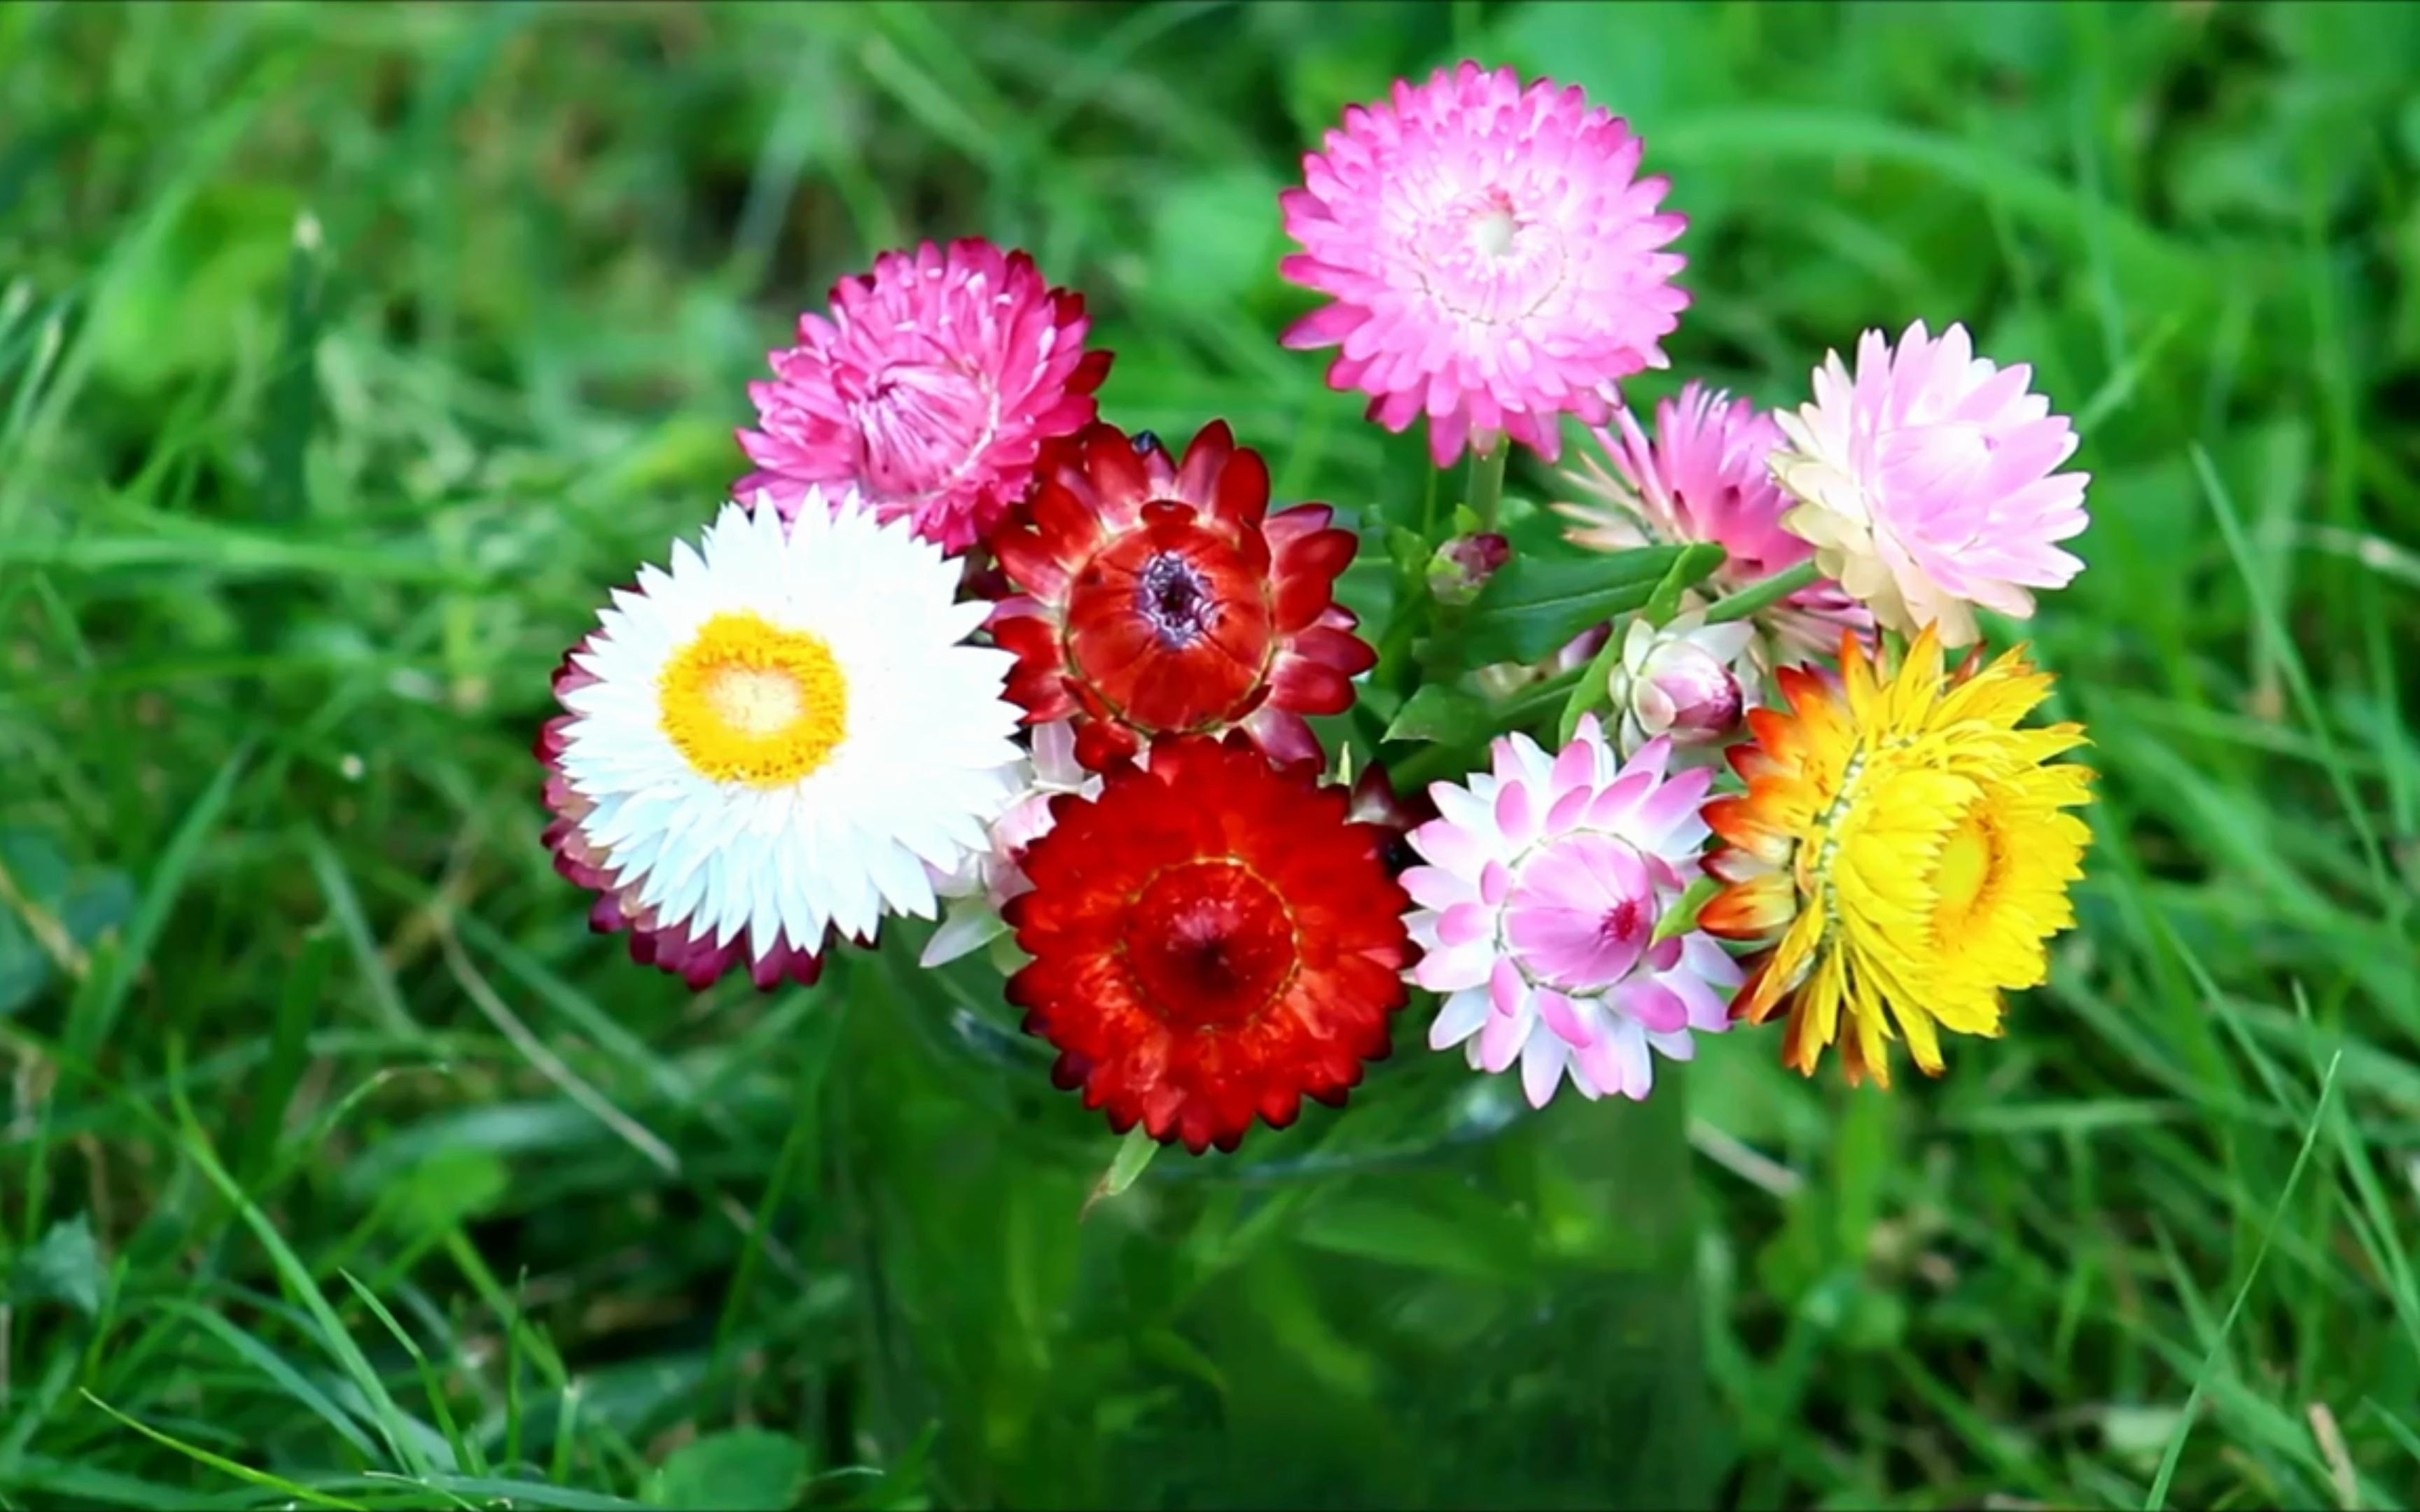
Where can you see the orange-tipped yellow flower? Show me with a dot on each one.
(1903, 850)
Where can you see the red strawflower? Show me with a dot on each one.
(694, 957)
(1213, 938)
(1162, 598)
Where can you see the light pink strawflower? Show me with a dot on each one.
(1537, 910)
(931, 387)
(1491, 258)
(1706, 475)
(1928, 483)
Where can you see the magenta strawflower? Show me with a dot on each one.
(1928, 484)
(1544, 880)
(1706, 475)
(1491, 258)
(931, 387)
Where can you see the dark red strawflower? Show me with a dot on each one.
(1162, 598)
(1213, 938)
(693, 958)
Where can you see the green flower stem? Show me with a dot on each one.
(1486, 490)
(1764, 593)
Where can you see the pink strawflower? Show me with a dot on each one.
(1545, 882)
(688, 950)
(1928, 484)
(1706, 475)
(1491, 258)
(932, 387)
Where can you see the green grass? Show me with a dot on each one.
(348, 353)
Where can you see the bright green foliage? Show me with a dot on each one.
(349, 353)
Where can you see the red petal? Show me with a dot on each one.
(1170, 839)
(1197, 476)
(1308, 686)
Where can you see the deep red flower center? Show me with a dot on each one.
(1209, 945)
(1621, 921)
(1171, 627)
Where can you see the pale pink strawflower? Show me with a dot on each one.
(1929, 484)
(1545, 878)
(1491, 257)
(1706, 475)
(931, 387)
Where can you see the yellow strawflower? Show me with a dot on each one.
(1906, 842)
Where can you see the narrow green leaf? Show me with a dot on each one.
(1591, 691)
(1438, 713)
(1533, 606)
(1134, 1157)
(243, 1472)
(1682, 916)
(1694, 564)
(97, 1007)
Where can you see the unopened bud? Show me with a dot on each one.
(1681, 681)
(1463, 565)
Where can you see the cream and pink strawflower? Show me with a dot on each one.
(785, 734)
(1544, 880)
(931, 388)
(1706, 475)
(1492, 260)
(1928, 483)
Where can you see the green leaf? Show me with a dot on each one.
(1591, 690)
(1682, 916)
(1133, 1158)
(65, 1267)
(740, 1470)
(1534, 604)
(1439, 713)
(1690, 568)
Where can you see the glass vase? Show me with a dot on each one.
(1435, 1297)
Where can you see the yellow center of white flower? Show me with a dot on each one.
(747, 702)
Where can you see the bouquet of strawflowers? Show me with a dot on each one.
(961, 650)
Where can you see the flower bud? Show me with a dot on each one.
(1376, 802)
(1463, 565)
(1681, 680)
(1580, 649)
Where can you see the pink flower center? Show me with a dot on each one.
(921, 425)
(1581, 912)
(1482, 260)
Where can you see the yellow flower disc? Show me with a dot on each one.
(747, 702)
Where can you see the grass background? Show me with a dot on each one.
(349, 352)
